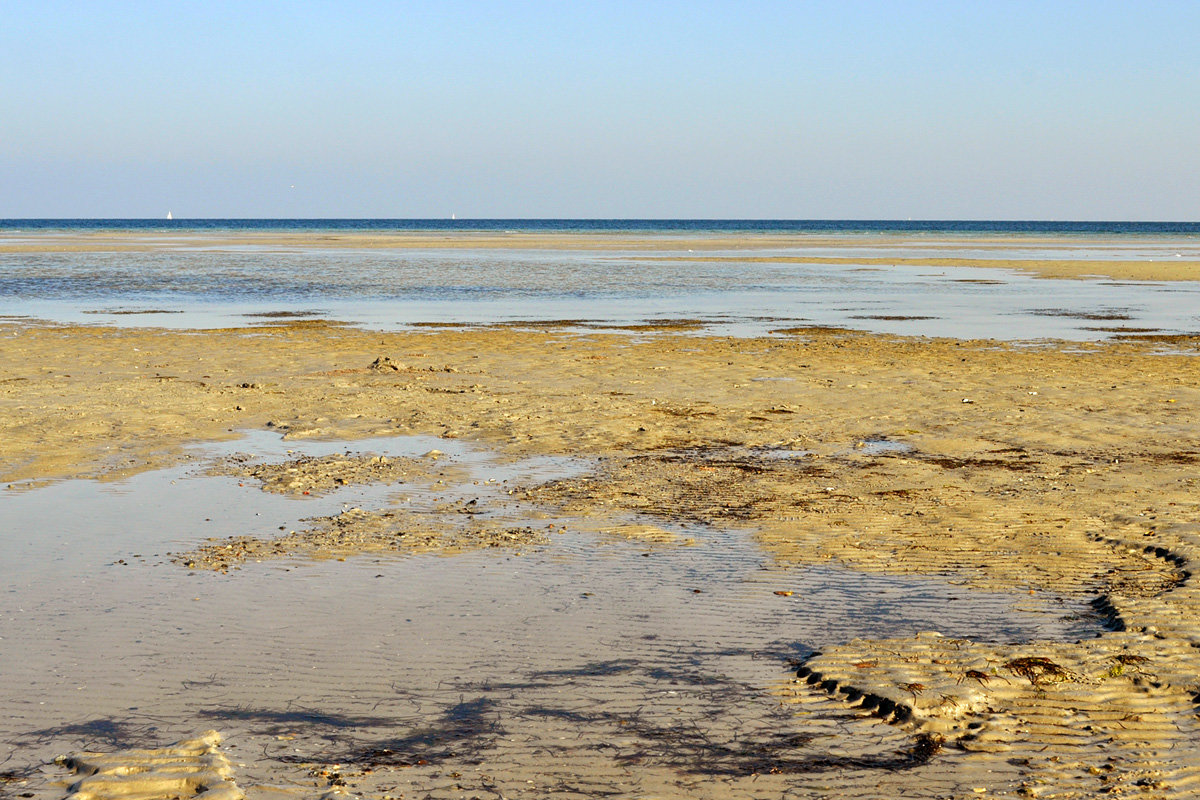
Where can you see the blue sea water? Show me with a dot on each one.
(184, 274)
(740, 226)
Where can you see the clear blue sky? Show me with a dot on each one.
(1041, 110)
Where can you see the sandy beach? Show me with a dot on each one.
(1054, 474)
(565, 401)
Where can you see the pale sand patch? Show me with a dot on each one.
(1167, 269)
(1067, 464)
(192, 768)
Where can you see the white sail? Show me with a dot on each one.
(169, 216)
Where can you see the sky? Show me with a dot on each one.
(781, 110)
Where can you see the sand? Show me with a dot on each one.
(190, 768)
(1164, 269)
(1056, 468)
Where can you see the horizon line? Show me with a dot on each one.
(610, 219)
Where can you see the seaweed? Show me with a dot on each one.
(1040, 670)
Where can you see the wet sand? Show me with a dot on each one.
(1052, 474)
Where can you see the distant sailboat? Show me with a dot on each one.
(169, 216)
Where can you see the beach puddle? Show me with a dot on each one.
(881, 447)
(623, 656)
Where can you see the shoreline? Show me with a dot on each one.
(1063, 468)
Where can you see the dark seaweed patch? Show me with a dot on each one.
(283, 314)
(97, 734)
(125, 312)
(1098, 316)
(949, 462)
(1109, 329)
(717, 740)
(657, 325)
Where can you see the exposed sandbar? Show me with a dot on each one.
(1062, 257)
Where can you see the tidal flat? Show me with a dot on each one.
(559, 561)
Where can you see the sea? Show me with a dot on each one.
(718, 226)
(196, 273)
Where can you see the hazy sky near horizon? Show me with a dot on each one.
(1009, 110)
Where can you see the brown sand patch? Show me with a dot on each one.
(321, 474)
(1061, 710)
(356, 531)
(909, 513)
(1185, 339)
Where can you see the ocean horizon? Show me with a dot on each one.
(616, 225)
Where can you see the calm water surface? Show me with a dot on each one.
(204, 284)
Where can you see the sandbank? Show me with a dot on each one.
(1164, 269)
(1174, 260)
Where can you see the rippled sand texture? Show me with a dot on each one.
(1058, 476)
(187, 769)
